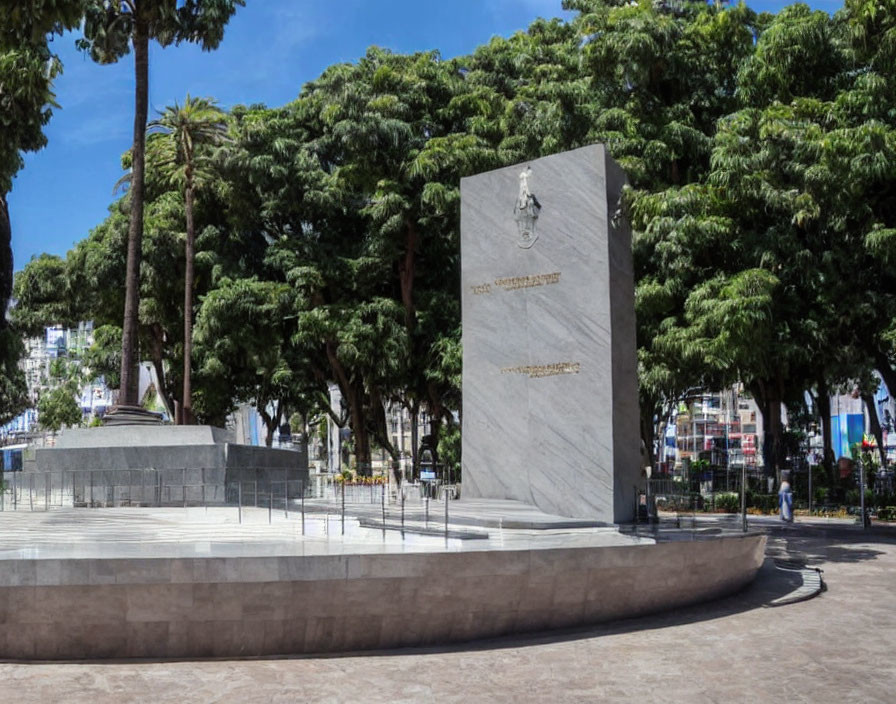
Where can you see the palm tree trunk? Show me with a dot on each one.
(129, 361)
(5, 260)
(187, 414)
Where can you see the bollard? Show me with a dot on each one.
(73, 489)
(446, 513)
(31, 492)
(426, 512)
(402, 509)
(286, 499)
(202, 475)
(255, 491)
(91, 488)
(47, 492)
(15, 492)
(239, 500)
(270, 502)
(383, 501)
(303, 506)
(343, 508)
(159, 474)
(183, 484)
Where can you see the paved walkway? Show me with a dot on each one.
(838, 647)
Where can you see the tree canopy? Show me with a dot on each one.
(761, 155)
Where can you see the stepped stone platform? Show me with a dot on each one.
(176, 583)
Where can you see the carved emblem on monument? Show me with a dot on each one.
(526, 210)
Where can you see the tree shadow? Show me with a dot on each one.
(801, 550)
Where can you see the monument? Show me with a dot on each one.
(549, 363)
(550, 420)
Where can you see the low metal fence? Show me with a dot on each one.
(326, 494)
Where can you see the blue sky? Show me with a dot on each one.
(271, 48)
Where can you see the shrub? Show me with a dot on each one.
(729, 502)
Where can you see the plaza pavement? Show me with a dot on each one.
(837, 647)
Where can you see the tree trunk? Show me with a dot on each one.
(769, 401)
(886, 371)
(415, 450)
(648, 432)
(435, 432)
(5, 260)
(827, 450)
(354, 398)
(876, 430)
(187, 412)
(156, 335)
(271, 422)
(129, 361)
(406, 271)
(362, 438)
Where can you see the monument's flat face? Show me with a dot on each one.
(550, 388)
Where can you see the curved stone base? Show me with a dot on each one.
(243, 606)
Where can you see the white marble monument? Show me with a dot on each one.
(550, 390)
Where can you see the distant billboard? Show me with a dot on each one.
(846, 430)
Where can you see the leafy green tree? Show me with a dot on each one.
(243, 340)
(182, 154)
(27, 70)
(110, 30)
(43, 296)
(58, 408)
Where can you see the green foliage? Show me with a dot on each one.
(761, 154)
(103, 358)
(109, 26)
(13, 391)
(727, 502)
(58, 408)
(41, 290)
(449, 452)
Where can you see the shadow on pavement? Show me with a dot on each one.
(771, 583)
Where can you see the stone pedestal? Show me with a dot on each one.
(549, 370)
(185, 458)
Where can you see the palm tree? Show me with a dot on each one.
(111, 30)
(182, 155)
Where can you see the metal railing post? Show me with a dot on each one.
(270, 502)
(286, 498)
(383, 501)
(31, 492)
(183, 484)
(255, 491)
(303, 506)
(446, 512)
(343, 507)
(47, 492)
(401, 489)
(239, 500)
(91, 488)
(15, 492)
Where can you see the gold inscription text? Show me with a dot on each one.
(535, 372)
